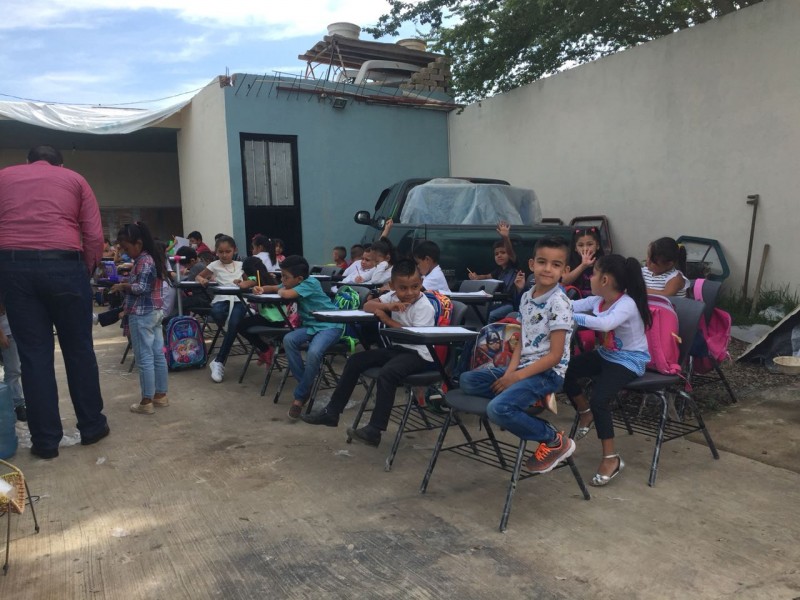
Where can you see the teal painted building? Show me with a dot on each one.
(304, 158)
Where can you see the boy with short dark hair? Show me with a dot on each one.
(426, 255)
(405, 306)
(340, 256)
(538, 364)
(316, 335)
(356, 251)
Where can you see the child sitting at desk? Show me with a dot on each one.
(426, 255)
(340, 257)
(268, 316)
(506, 271)
(314, 336)
(362, 268)
(225, 271)
(538, 365)
(405, 306)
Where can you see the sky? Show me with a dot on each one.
(108, 52)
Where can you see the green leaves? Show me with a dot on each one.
(498, 45)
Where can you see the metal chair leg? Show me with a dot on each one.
(659, 438)
(247, 364)
(362, 408)
(125, 354)
(724, 380)
(578, 478)
(399, 435)
(702, 424)
(437, 448)
(280, 386)
(8, 539)
(512, 486)
(493, 440)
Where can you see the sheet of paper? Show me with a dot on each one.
(344, 313)
(228, 288)
(439, 330)
(273, 296)
(180, 242)
(478, 293)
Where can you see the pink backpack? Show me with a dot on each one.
(716, 332)
(662, 336)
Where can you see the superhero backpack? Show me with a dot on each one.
(186, 347)
(495, 344)
(662, 336)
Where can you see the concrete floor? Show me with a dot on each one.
(219, 496)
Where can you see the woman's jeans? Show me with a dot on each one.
(507, 409)
(318, 343)
(147, 339)
(219, 312)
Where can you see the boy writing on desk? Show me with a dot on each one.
(315, 337)
(538, 364)
(406, 306)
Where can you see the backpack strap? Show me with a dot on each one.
(697, 291)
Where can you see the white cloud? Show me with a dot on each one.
(279, 19)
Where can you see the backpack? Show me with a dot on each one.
(186, 347)
(711, 345)
(347, 298)
(495, 344)
(442, 312)
(662, 336)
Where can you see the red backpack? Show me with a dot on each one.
(443, 311)
(662, 336)
(715, 333)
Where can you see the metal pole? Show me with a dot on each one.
(752, 200)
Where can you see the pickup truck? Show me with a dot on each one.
(462, 246)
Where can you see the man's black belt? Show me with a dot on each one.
(13, 255)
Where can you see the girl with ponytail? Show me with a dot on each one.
(619, 314)
(143, 310)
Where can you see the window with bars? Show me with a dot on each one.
(268, 172)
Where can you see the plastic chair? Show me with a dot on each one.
(19, 494)
(672, 415)
(711, 290)
(411, 416)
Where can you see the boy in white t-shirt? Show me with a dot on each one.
(426, 255)
(406, 306)
(361, 268)
(538, 364)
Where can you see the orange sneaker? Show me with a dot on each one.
(549, 454)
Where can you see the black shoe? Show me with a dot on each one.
(87, 440)
(322, 417)
(368, 435)
(22, 413)
(44, 453)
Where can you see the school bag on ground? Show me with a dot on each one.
(186, 347)
(662, 336)
(711, 344)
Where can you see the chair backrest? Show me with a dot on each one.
(710, 295)
(479, 285)
(363, 293)
(459, 315)
(689, 312)
(331, 270)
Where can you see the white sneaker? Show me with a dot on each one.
(217, 371)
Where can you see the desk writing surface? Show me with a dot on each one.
(344, 313)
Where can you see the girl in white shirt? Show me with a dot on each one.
(225, 271)
(264, 249)
(663, 270)
(618, 312)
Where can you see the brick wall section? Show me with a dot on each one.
(433, 78)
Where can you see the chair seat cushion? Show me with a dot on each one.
(426, 378)
(473, 405)
(652, 382)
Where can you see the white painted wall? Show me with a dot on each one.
(121, 179)
(203, 161)
(667, 138)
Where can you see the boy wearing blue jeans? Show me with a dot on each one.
(314, 336)
(538, 364)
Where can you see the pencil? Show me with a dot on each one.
(258, 278)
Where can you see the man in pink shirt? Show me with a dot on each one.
(51, 238)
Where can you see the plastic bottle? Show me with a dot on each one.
(8, 420)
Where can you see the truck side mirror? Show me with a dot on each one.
(363, 217)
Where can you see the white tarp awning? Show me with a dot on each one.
(86, 119)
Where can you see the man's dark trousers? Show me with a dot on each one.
(38, 294)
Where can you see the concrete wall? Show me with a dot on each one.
(346, 157)
(667, 138)
(203, 161)
(121, 179)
